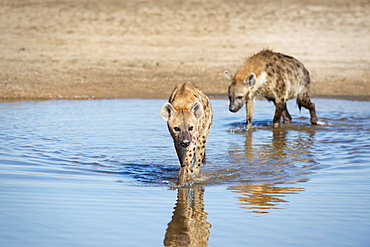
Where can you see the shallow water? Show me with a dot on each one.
(103, 172)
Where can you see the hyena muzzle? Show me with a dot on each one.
(188, 114)
(275, 76)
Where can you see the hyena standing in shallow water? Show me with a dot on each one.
(275, 76)
(189, 118)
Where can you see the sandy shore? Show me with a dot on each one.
(85, 49)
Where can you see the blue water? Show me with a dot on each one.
(104, 172)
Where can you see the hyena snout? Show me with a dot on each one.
(234, 107)
(185, 143)
(185, 140)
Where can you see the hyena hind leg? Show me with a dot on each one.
(286, 116)
(305, 101)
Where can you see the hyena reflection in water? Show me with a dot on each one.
(189, 118)
(275, 76)
(189, 225)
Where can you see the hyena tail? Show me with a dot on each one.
(303, 97)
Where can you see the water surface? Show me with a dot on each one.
(104, 172)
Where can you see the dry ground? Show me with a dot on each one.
(85, 49)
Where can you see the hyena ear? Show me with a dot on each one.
(228, 76)
(197, 109)
(166, 111)
(251, 80)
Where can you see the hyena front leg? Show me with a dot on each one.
(200, 156)
(279, 108)
(286, 116)
(250, 111)
(200, 149)
(186, 159)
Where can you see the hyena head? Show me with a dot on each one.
(239, 92)
(183, 124)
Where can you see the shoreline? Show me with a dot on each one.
(142, 49)
(217, 97)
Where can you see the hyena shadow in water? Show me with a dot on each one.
(188, 114)
(275, 76)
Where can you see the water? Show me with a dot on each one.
(103, 173)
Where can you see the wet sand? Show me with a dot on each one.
(83, 49)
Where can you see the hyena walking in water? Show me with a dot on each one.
(275, 76)
(189, 118)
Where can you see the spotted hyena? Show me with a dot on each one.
(189, 118)
(275, 76)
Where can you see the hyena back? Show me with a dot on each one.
(188, 114)
(275, 76)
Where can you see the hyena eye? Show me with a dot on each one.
(176, 129)
(239, 97)
(191, 128)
